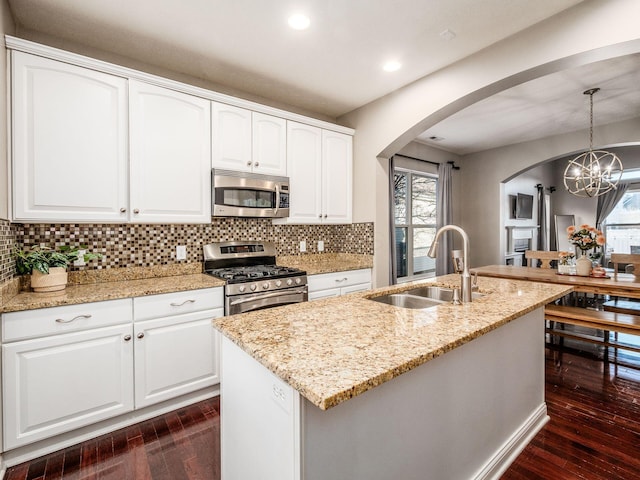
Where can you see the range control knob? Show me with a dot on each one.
(253, 287)
(298, 281)
(289, 282)
(265, 285)
(242, 288)
(278, 283)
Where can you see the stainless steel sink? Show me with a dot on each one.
(421, 297)
(437, 293)
(406, 301)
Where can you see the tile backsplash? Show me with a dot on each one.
(141, 245)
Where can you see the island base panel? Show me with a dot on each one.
(464, 415)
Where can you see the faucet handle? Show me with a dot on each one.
(456, 297)
(474, 285)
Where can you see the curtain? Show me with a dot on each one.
(444, 216)
(607, 202)
(393, 272)
(542, 219)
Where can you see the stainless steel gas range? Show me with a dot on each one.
(253, 280)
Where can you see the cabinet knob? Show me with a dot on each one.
(257, 164)
(123, 210)
(325, 215)
(140, 335)
(249, 163)
(136, 211)
(320, 216)
(127, 338)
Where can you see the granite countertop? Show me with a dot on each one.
(110, 290)
(97, 285)
(316, 263)
(335, 349)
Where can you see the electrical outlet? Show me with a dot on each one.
(303, 246)
(320, 246)
(181, 252)
(80, 261)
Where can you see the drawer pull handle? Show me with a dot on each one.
(127, 338)
(140, 335)
(340, 280)
(174, 304)
(60, 320)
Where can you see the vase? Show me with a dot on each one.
(53, 281)
(583, 266)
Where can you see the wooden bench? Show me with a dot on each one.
(599, 319)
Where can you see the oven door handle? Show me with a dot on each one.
(275, 211)
(255, 296)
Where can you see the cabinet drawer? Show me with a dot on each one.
(339, 279)
(167, 304)
(65, 319)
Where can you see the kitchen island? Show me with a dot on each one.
(350, 388)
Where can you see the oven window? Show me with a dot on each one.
(239, 197)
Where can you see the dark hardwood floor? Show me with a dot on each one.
(594, 434)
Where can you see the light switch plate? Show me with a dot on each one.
(320, 246)
(181, 252)
(303, 246)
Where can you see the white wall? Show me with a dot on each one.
(6, 27)
(384, 126)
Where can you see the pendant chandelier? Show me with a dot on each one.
(594, 172)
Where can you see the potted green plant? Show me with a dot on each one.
(47, 266)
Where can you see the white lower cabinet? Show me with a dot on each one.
(56, 383)
(174, 356)
(68, 367)
(327, 285)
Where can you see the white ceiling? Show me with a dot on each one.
(335, 66)
(331, 68)
(543, 107)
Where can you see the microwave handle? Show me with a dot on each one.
(275, 211)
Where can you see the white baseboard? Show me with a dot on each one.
(50, 445)
(507, 454)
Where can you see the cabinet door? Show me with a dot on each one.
(304, 167)
(320, 294)
(174, 356)
(336, 176)
(170, 156)
(231, 138)
(69, 142)
(55, 384)
(269, 144)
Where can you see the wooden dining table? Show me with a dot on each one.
(620, 285)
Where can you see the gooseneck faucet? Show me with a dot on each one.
(465, 277)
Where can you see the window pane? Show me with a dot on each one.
(401, 252)
(423, 200)
(627, 210)
(400, 197)
(422, 240)
(623, 239)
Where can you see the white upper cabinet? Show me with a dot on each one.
(231, 137)
(248, 141)
(319, 164)
(337, 168)
(269, 144)
(170, 155)
(69, 142)
(304, 166)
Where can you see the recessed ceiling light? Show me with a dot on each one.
(436, 138)
(391, 66)
(298, 21)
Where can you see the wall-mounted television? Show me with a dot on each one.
(523, 206)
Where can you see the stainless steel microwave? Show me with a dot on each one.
(240, 194)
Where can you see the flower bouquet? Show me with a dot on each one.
(585, 237)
